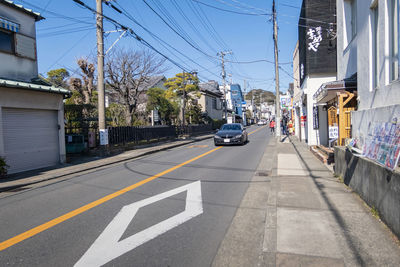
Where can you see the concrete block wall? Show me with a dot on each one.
(377, 186)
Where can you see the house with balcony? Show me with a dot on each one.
(31, 110)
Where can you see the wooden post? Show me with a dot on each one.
(342, 130)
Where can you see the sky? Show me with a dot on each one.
(200, 29)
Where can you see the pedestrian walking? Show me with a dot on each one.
(272, 126)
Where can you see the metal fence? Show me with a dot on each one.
(132, 134)
(128, 134)
(122, 135)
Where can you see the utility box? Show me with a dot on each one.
(74, 143)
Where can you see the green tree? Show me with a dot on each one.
(116, 112)
(157, 100)
(58, 77)
(184, 90)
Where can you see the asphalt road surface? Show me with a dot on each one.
(171, 208)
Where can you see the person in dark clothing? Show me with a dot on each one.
(284, 125)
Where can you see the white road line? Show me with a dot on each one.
(107, 247)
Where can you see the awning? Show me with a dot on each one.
(34, 87)
(330, 90)
(9, 25)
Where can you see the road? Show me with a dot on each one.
(171, 208)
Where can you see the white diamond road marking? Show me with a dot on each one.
(107, 247)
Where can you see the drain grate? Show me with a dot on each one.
(262, 173)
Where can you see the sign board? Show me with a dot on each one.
(303, 121)
(103, 137)
(315, 117)
(156, 117)
(333, 132)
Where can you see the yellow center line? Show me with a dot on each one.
(38, 229)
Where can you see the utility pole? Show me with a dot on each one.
(100, 75)
(222, 54)
(244, 110)
(277, 102)
(183, 98)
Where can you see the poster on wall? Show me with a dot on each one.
(383, 146)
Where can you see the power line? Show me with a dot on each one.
(175, 31)
(230, 11)
(162, 42)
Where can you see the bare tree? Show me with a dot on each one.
(127, 71)
(85, 85)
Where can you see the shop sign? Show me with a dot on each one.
(333, 132)
(303, 121)
(315, 118)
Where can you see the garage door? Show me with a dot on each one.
(30, 138)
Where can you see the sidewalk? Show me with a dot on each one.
(307, 218)
(85, 164)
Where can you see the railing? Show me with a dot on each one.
(122, 135)
(194, 129)
(135, 135)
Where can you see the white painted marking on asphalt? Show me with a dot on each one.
(107, 247)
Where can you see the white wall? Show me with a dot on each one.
(18, 68)
(387, 93)
(27, 99)
(346, 49)
(310, 86)
(374, 102)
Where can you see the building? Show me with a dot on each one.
(317, 65)
(211, 100)
(368, 58)
(148, 83)
(31, 110)
(370, 38)
(299, 128)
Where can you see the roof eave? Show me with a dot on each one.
(30, 12)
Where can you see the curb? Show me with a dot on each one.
(11, 187)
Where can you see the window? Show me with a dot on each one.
(394, 39)
(6, 42)
(214, 103)
(375, 45)
(350, 20)
(353, 18)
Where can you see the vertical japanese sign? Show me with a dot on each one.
(315, 37)
(315, 118)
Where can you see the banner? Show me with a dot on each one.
(383, 146)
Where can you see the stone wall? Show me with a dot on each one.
(377, 186)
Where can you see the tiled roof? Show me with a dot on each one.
(150, 82)
(22, 8)
(210, 86)
(34, 87)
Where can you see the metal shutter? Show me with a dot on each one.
(30, 138)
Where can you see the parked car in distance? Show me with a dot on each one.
(231, 133)
(262, 122)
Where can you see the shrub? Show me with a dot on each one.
(3, 167)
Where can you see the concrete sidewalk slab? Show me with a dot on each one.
(306, 232)
(289, 164)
